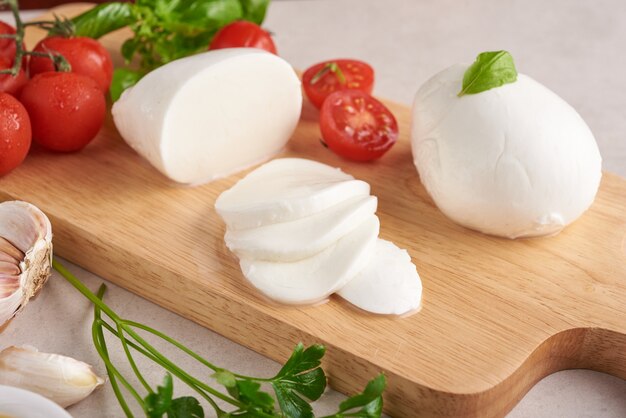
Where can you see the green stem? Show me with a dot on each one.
(84, 290)
(139, 349)
(131, 360)
(175, 343)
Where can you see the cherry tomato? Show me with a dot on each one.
(356, 126)
(243, 34)
(15, 133)
(86, 56)
(66, 110)
(8, 83)
(324, 78)
(7, 45)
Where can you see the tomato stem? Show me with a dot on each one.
(329, 67)
(58, 25)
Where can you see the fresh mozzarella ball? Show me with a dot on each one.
(513, 161)
(209, 115)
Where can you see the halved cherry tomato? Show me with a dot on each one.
(242, 34)
(86, 56)
(15, 133)
(322, 79)
(356, 126)
(8, 83)
(66, 110)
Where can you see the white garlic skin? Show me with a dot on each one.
(514, 161)
(25, 255)
(61, 379)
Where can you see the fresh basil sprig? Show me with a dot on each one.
(490, 70)
(299, 381)
(163, 30)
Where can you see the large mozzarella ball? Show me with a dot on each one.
(513, 161)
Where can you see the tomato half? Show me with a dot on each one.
(356, 126)
(86, 56)
(66, 110)
(322, 79)
(243, 34)
(8, 83)
(15, 133)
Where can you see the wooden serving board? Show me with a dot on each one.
(497, 315)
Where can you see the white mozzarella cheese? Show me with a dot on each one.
(301, 238)
(315, 278)
(286, 189)
(209, 115)
(389, 283)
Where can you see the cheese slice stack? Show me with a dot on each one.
(304, 230)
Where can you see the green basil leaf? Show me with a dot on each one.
(254, 10)
(185, 407)
(202, 16)
(490, 70)
(102, 19)
(123, 78)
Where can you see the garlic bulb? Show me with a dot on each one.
(25, 255)
(59, 378)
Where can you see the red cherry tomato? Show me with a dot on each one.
(356, 126)
(8, 83)
(243, 34)
(322, 79)
(66, 110)
(7, 45)
(15, 133)
(86, 56)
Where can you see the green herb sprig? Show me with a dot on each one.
(163, 30)
(490, 70)
(300, 381)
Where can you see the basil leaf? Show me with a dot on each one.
(201, 16)
(254, 10)
(102, 19)
(123, 78)
(490, 70)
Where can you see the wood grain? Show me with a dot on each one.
(497, 315)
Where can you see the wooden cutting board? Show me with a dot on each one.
(497, 315)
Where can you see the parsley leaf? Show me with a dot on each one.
(159, 402)
(370, 400)
(301, 375)
(185, 407)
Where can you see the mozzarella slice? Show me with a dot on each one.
(315, 278)
(209, 115)
(389, 284)
(286, 189)
(295, 240)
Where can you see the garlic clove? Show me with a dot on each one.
(61, 379)
(25, 255)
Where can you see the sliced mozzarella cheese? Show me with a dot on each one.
(301, 238)
(209, 115)
(389, 284)
(286, 189)
(315, 278)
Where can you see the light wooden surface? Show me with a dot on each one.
(498, 315)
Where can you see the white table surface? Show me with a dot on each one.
(577, 48)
